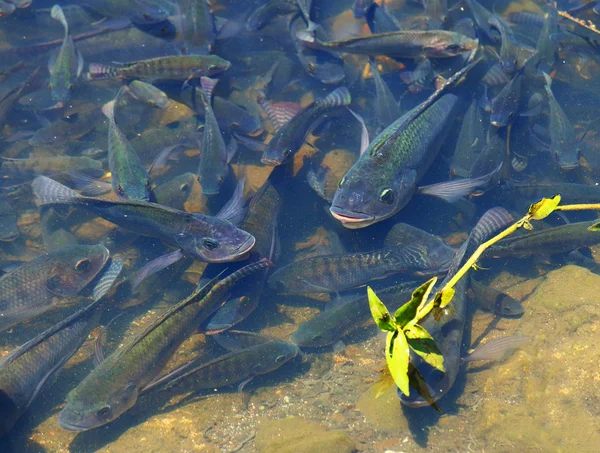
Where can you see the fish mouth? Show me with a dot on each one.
(568, 167)
(271, 161)
(68, 426)
(352, 220)
(246, 246)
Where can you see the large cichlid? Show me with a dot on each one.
(201, 237)
(385, 177)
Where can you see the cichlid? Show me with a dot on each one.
(147, 93)
(29, 290)
(290, 137)
(491, 299)
(114, 386)
(65, 65)
(201, 237)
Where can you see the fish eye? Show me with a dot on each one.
(210, 244)
(50, 87)
(287, 152)
(148, 185)
(342, 181)
(221, 180)
(387, 196)
(311, 68)
(120, 190)
(184, 187)
(83, 265)
(152, 103)
(212, 67)
(453, 48)
(71, 87)
(316, 337)
(279, 359)
(103, 411)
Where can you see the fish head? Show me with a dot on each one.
(307, 336)
(273, 355)
(212, 179)
(215, 65)
(567, 156)
(61, 91)
(134, 189)
(148, 12)
(511, 307)
(366, 197)
(87, 410)
(74, 267)
(449, 45)
(214, 240)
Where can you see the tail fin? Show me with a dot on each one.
(98, 71)
(57, 13)
(47, 192)
(337, 98)
(208, 85)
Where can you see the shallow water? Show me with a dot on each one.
(543, 397)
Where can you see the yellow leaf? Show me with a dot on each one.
(380, 313)
(543, 208)
(397, 356)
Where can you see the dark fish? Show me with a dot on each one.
(148, 94)
(114, 386)
(482, 16)
(67, 129)
(65, 65)
(492, 155)
(564, 144)
(505, 106)
(345, 316)
(173, 67)
(419, 78)
(176, 191)
(267, 12)
(29, 290)
(260, 222)
(305, 7)
(289, 138)
(448, 331)
(509, 49)
(320, 64)
(491, 299)
(545, 56)
(130, 179)
(239, 366)
(436, 12)
(31, 368)
(546, 242)
(401, 44)
(196, 24)
(471, 141)
(201, 237)
(214, 157)
(360, 7)
(380, 20)
(407, 249)
(385, 176)
(524, 194)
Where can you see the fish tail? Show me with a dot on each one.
(57, 13)
(337, 98)
(109, 110)
(208, 85)
(47, 192)
(100, 71)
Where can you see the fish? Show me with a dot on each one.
(482, 17)
(215, 155)
(129, 178)
(345, 316)
(9, 231)
(317, 63)
(471, 141)
(548, 241)
(506, 105)
(400, 44)
(201, 237)
(261, 222)
(380, 20)
(268, 11)
(176, 191)
(31, 368)
(508, 49)
(491, 299)
(114, 386)
(545, 49)
(419, 78)
(385, 176)
(564, 145)
(29, 290)
(65, 65)
(385, 105)
(66, 129)
(406, 250)
(290, 137)
(196, 25)
(448, 331)
(305, 7)
(148, 94)
(436, 12)
(172, 67)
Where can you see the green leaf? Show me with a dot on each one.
(408, 312)
(446, 295)
(594, 227)
(397, 356)
(423, 344)
(380, 313)
(543, 208)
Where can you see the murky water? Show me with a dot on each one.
(155, 152)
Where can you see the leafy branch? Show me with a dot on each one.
(404, 330)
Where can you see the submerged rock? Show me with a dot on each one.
(295, 435)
